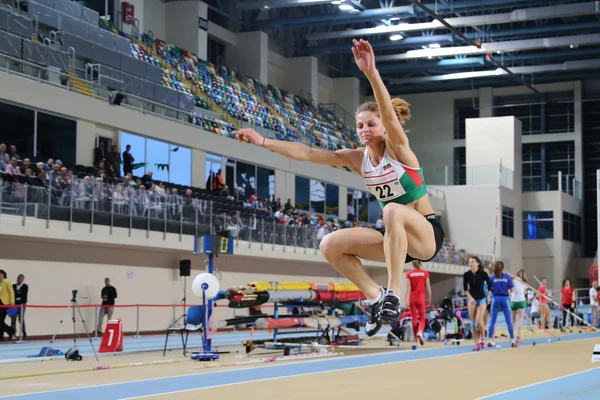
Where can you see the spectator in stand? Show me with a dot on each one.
(350, 211)
(26, 164)
(28, 173)
(224, 193)
(147, 179)
(98, 167)
(7, 297)
(276, 205)
(13, 152)
(128, 160)
(99, 154)
(12, 168)
(49, 166)
(108, 295)
(306, 220)
(218, 182)
(2, 166)
(288, 206)
(4, 157)
(21, 291)
(114, 158)
(238, 195)
(594, 302)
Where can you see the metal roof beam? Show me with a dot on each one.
(385, 13)
(448, 38)
(520, 15)
(497, 47)
(534, 69)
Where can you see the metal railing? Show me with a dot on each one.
(473, 175)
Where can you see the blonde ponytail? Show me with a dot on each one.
(401, 107)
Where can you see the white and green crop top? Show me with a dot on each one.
(391, 181)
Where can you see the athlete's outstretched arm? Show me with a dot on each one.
(297, 151)
(365, 60)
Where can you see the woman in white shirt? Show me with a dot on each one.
(518, 302)
(594, 302)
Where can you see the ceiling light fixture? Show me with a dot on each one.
(336, 2)
(396, 37)
(346, 7)
(434, 46)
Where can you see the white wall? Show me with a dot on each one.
(278, 66)
(325, 88)
(250, 56)
(155, 18)
(182, 27)
(470, 217)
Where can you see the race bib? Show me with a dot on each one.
(389, 189)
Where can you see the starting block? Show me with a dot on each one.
(112, 340)
(596, 354)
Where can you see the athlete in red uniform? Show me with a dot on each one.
(417, 280)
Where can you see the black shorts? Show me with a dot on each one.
(438, 232)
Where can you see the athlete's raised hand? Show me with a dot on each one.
(249, 135)
(364, 56)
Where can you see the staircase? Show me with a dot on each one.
(591, 162)
(78, 85)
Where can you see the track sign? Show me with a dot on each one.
(596, 354)
(112, 340)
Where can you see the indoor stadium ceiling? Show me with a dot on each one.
(437, 45)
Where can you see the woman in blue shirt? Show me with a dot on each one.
(502, 286)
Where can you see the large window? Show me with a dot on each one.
(508, 221)
(538, 225)
(542, 163)
(532, 167)
(56, 138)
(571, 227)
(332, 193)
(265, 182)
(168, 162)
(302, 193)
(554, 114)
(358, 203)
(245, 178)
(560, 158)
(317, 197)
(463, 109)
(51, 137)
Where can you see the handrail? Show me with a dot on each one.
(72, 66)
(37, 25)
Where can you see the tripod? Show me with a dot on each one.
(73, 305)
(184, 315)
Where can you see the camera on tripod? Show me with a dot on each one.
(74, 291)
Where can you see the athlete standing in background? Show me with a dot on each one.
(417, 281)
(473, 285)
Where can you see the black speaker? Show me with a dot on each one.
(116, 98)
(185, 267)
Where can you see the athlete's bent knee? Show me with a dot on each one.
(330, 247)
(393, 213)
